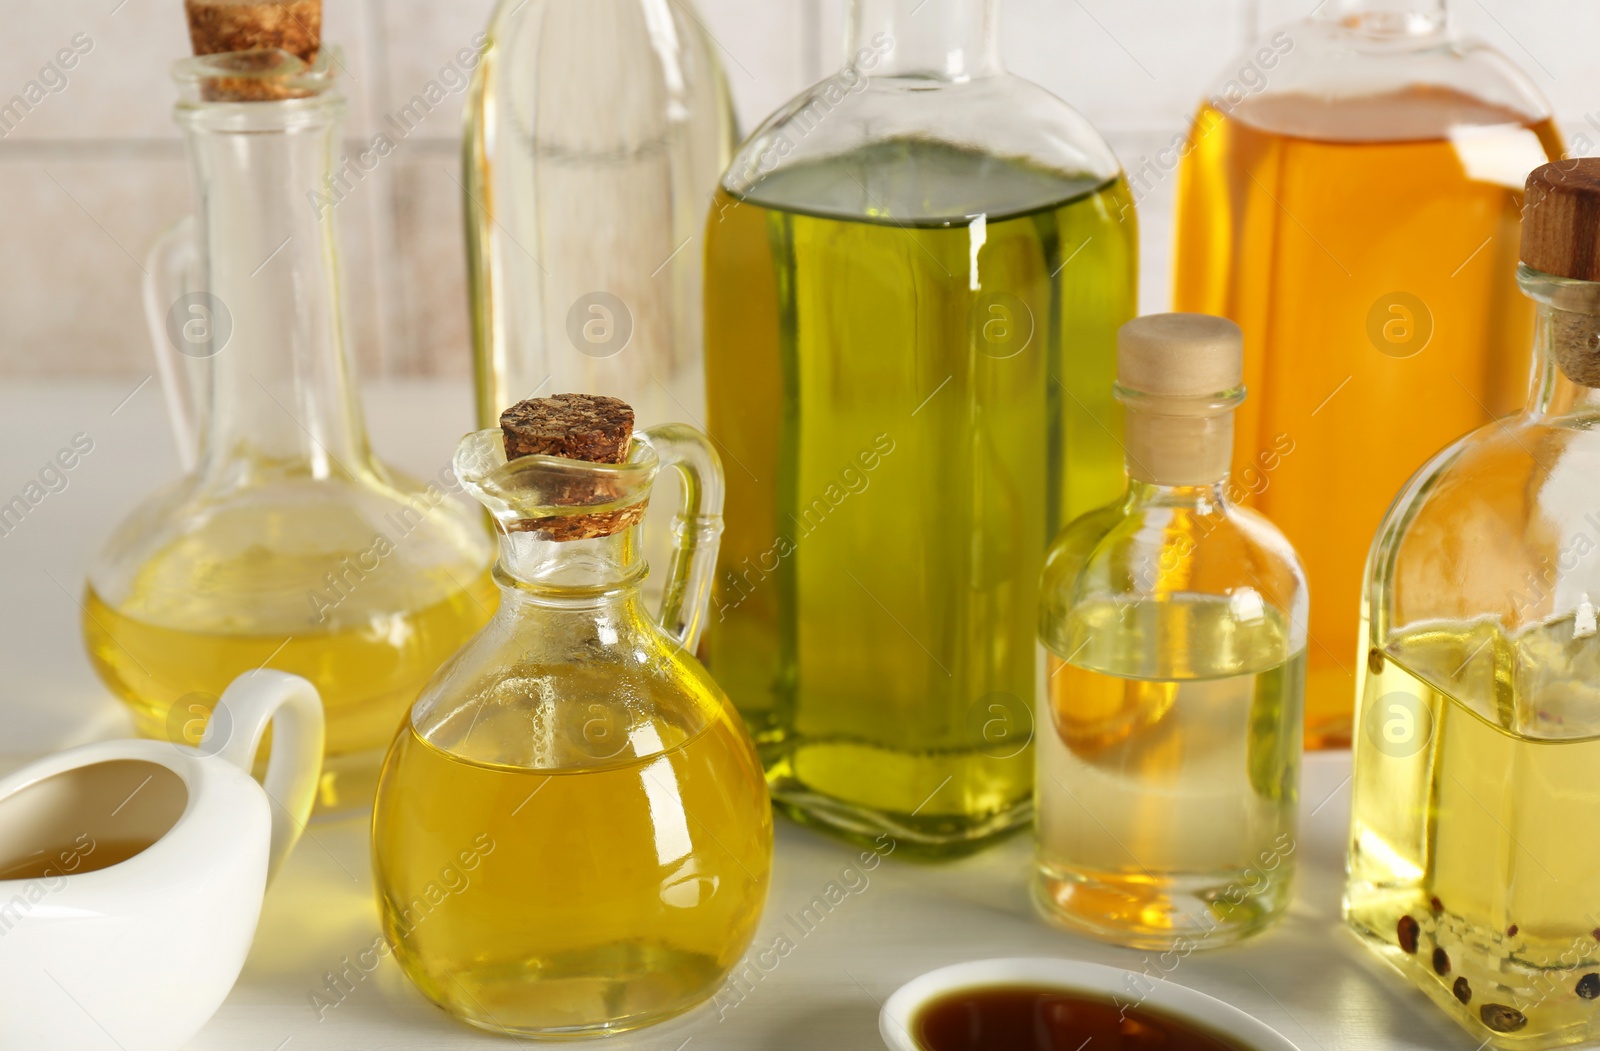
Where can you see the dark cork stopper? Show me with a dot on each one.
(589, 427)
(222, 26)
(1561, 236)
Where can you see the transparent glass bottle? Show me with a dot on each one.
(1349, 195)
(1472, 865)
(914, 274)
(287, 545)
(574, 777)
(1174, 628)
(595, 132)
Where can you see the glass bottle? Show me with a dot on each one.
(1472, 867)
(572, 833)
(1349, 195)
(1174, 628)
(287, 545)
(914, 275)
(595, 132)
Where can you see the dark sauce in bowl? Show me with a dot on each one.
(1052, 1018)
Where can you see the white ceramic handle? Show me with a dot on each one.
(291, 705)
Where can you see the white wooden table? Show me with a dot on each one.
(1307, 978)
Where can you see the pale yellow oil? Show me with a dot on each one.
(610, 876)
(237, 596)
(1168, 772)
(1473, 866)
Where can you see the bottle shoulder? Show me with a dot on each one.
(921, 150)
(567, 690)
(1325, 81)
(267, 547)
(1134, 553)
(1498, 526)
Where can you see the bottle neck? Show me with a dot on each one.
(1388, 18)
(1566, 344)
(1555, 393)
(1173, 449)
(1202, 500)
(279, 397)
(571, 572)
(936, 39)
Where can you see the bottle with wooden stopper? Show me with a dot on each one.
(572, 833)
(1478, 720)
(1173, 623)
(287, 544)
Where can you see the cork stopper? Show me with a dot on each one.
(226, 26)
(1561, 237)
(590, 427)
(1180, 376)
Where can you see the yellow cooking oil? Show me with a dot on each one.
(1472, 867)
(367, 623)
(909, 352)
(571, 850)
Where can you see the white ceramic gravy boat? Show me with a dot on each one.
(132, 873)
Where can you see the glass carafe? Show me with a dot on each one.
(286, 545)
(1173, 623)
(1473, 865)
(595, 133)
(1349, 195)
(914, 275)
(574, 775)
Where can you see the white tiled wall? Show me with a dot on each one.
(95, 171)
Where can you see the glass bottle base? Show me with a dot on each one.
(1485, 979)
(924, 805)
(936, 837)
(1191, 911)
(576, 995)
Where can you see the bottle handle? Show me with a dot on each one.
(697, 529)
(172, 300)
(291, 706)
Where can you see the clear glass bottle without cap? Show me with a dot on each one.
(287, 545)
(1349, 194)
(914, 275)
(1473, 867)
(595, 133)
(576, 780)
(1174, 628)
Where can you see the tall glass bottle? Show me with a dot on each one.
(914, 275)
(1174, 628)
(1473, 867)
(595, 132)
(1349, 196)
(576, 780)
(287, 545)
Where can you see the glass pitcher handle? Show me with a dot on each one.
(173, 301)
(697, 529)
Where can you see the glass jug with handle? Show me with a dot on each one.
(574, 773)
(286, 544)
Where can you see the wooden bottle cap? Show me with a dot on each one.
(589, 427)
(1561, 219)
(1181, 376)
(1180, 355)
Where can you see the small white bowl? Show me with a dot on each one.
(1093, 979)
